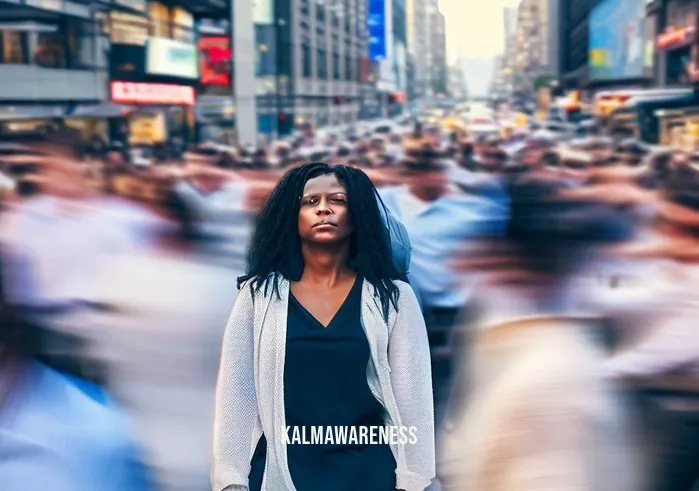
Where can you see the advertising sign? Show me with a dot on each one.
(215, 60)
(263, 12)
(171, 58)
(617, 40)
(675, 38)
(376, 23)
(143, 93)
(127, 62)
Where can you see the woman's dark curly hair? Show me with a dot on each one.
(275, 247)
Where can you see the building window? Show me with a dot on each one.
(322, 64)
(348, 68)
(182, 26)
(306, 61)
(128, 29)
(80, 45)
(320, 10)
(336, 66)
(13, 47)
(50, 49)
(159, 16)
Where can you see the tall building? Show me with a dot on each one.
(510, 21)
(419, 44)
(427, 46)
(456, 84)
(117, 70)
(311, 62)
(53, 62)
(535, 44)
(501, 85)
(574, 36)
(439, 48)
(392, 82)
(505, 66)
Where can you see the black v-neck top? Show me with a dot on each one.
(325, 384)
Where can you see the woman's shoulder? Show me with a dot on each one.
(406, 294)
(404, 287)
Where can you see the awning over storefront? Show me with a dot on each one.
(13, 113)
(105, 110)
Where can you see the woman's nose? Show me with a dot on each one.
(323, 208)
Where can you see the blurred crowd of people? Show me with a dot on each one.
(555, 276)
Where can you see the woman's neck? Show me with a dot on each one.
(325, 264)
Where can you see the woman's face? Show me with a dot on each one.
(324, 215)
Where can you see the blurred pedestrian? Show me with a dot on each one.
(538, 413)
(57, 432)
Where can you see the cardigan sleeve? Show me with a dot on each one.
(236, 416)
(411, 379)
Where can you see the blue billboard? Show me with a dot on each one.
(376, 25)
(617, 40)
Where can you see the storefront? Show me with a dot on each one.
(674, 44)
(163, 111)
(158, 78)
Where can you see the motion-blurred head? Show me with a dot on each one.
(425, 171)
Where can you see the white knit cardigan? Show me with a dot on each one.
(250, 390)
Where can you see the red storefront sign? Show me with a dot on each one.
(676, 38)
(216, 60)
(144, 93)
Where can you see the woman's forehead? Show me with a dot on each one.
(325, 184)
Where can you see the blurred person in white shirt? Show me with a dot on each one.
(536, 412)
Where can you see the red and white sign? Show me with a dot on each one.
(142, 93)
(676, 38)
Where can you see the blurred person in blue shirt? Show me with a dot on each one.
(57, 433)
(438, 216)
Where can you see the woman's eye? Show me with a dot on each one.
(310, 201)
(337, 200)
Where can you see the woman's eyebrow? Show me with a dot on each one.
(333, 193)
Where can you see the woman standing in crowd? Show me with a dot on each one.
(323, 334)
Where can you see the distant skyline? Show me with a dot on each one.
(475, 28)
(476, 33)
